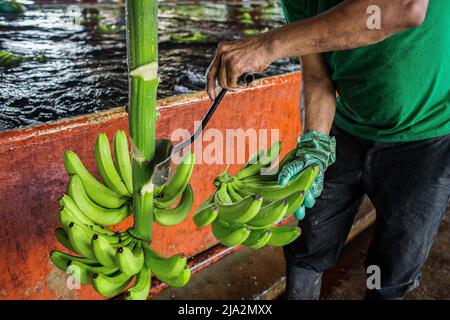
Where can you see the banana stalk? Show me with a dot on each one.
(111, 260)
(142, 40)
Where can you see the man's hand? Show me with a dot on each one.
(313, 148)
(343, 27)
(233, 58)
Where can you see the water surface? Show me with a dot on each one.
(86, 69)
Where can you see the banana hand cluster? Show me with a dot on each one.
(109, 260)
(245, 208)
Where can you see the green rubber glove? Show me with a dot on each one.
(313, 148)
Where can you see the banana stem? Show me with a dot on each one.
(142, 42)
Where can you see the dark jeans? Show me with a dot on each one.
(409, 185)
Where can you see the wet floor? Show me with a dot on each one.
(84, 67)
(435, 273)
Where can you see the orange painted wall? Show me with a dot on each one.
(32, 178)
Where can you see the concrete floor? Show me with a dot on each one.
(242, 275)
(259, 274)
(436, 273)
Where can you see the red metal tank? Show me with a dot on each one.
(32, 178)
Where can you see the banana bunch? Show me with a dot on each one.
(245, 208)
(103, 258)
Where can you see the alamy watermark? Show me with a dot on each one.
(73, 281)
(215, 146)
(373, 277)
(374, 19)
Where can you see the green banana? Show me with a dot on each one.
(205, 215)
(76, 268)
(62, 260)
(66, 219)
(100, 215)
(122, 159)
(258, 239)
(79, 266)
(235, 197)
(282, 236)
(272, 191)
(105, 165)
(78, 216)
(110, 286)
(295, 201)
(80, 241)
(71, 207)
(242, 192)
(260, 182)
(254, 158)
(125, 241)
(178, 183)
(103, 269)
(164, 267)
(288, 157)
(222, 195)
(129, 262)
(171, 217)
(179, 281)
(141, 287)
(269, 214)
(103, 251)
(273, 177)
(157, 190)
(261, 178)
(240, 212)
(267, 159)
(99, 193)
(85, 272)
(229, 235)
(63, 238)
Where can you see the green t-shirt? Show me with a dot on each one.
(395, 90)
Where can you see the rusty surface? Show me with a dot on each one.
(32, 178)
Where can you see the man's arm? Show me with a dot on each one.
(340, 28)
(315, 146)
(318, 94)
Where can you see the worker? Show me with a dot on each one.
(385, 134)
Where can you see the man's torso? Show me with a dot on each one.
(395, 90)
